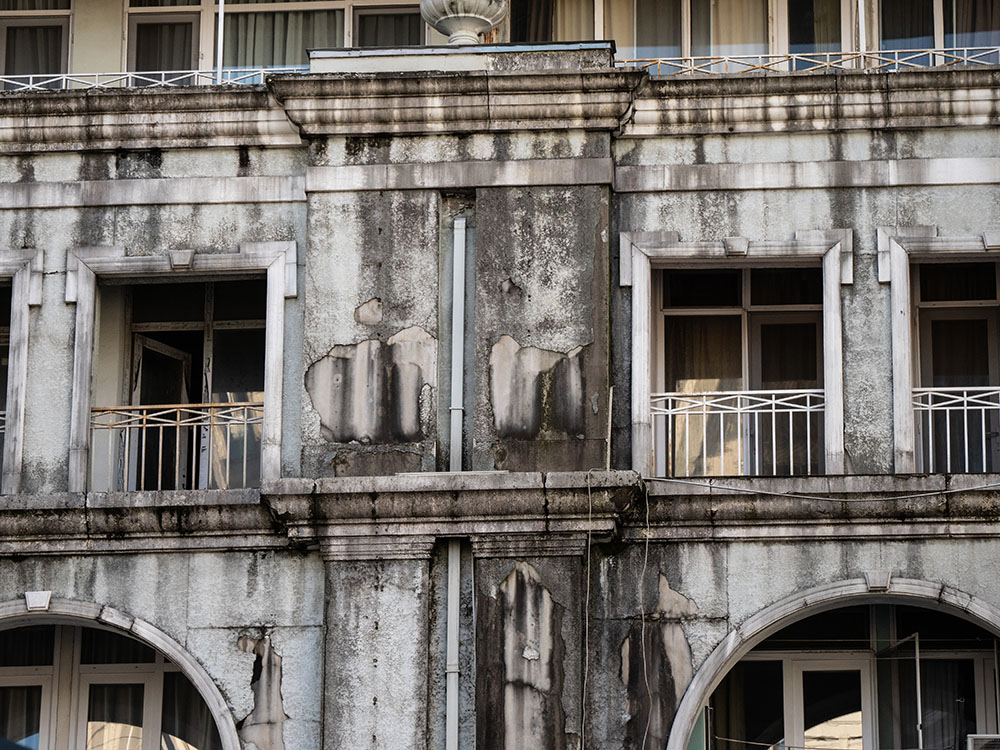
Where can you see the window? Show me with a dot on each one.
(551, 20)
(817, 684)
(265, 38)
(118, 692)
(388, 27)
(647, 29)
(945, 374)
(936, 24)
(741, 382)
(737, 362)
(186, 373)
(34, 37)
(193, 380)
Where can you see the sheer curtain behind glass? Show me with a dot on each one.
(20, 715)
(907, 24)
(114, 717)
(33, 49)
(972, 23)
(813, 26)
(187, 722)
(388, 29)
(729, 27)
(163, 46)
(279, 38)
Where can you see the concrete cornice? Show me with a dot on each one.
(471, 101)
(142, 119)
(817, 102)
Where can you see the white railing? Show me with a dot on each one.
(817, 62)
(176, 446)
(738, 433)
(957, 428)
(162, 78)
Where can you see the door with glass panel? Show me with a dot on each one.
(161, 44)
(830, 705)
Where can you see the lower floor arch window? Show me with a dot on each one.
(64, 686)
(880, 677)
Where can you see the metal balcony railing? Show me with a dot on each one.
(738, 433)
(163, 78)
(957, 429)
(818, 62)
(176, 446)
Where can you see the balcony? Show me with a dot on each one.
(738, 433)
(957, 429)
(176, 446)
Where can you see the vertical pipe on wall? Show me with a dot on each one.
(457, 412)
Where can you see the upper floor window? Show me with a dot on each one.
(957, 367)
(34, 37)
(926, 24)
(645, 29)
(551, 20)
(740, 377)
(180, 406)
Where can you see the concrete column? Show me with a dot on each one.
(377, 630)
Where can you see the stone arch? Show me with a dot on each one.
(810, 602)
(14, 613)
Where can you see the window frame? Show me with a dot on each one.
(169, 14)
(640, 253)
(898, 249)
(59, 18)
(367, 9)
(84, 265)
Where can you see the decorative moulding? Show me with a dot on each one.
(463, 20)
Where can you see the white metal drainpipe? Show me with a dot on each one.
(455, 464)
(221, 39)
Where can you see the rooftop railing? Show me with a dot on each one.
(958, 429)
(738, 433)
(818, 62)
(152, 79)
(176, 446)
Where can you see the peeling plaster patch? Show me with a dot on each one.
(656, 669)
(369, 313)
(523, 670)
(262, 727)
(507, 286)
(534, 390)
(373, 392)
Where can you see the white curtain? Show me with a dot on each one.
(187, 722)
(729, 27)
(20, 714)
(388, 29)
(574, 20)
(279, 38)
(33, 49)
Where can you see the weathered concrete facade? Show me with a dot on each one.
(598, 607)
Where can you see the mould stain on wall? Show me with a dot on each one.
(523, 675)
(535, 390)
(372, 391)
(656, 669)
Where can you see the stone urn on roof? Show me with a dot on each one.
(463, 20)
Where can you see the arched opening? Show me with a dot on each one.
(68, 685)
(878, 672)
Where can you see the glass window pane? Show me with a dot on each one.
(813, 26)
(279, 38)
(702, 288)
(972, 23)
(153, 303)
(531, 20)
(21, 715)
(27, 647)
(187, 722)
(105, 647)
(394, 29)
(729, 28)
(948, 700)
(704, 353)
(114, 717)
(907, 24)
(786, 286)
(658, 29)
(241, 300)
(748, 707)
(238, 366)
(164, 46)
(960, 353)
(832, 710)
(574, 20)
(844, 628)
(34, 4)
(788, 356)
(33, 49)
(940, 282)
(161, 3)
